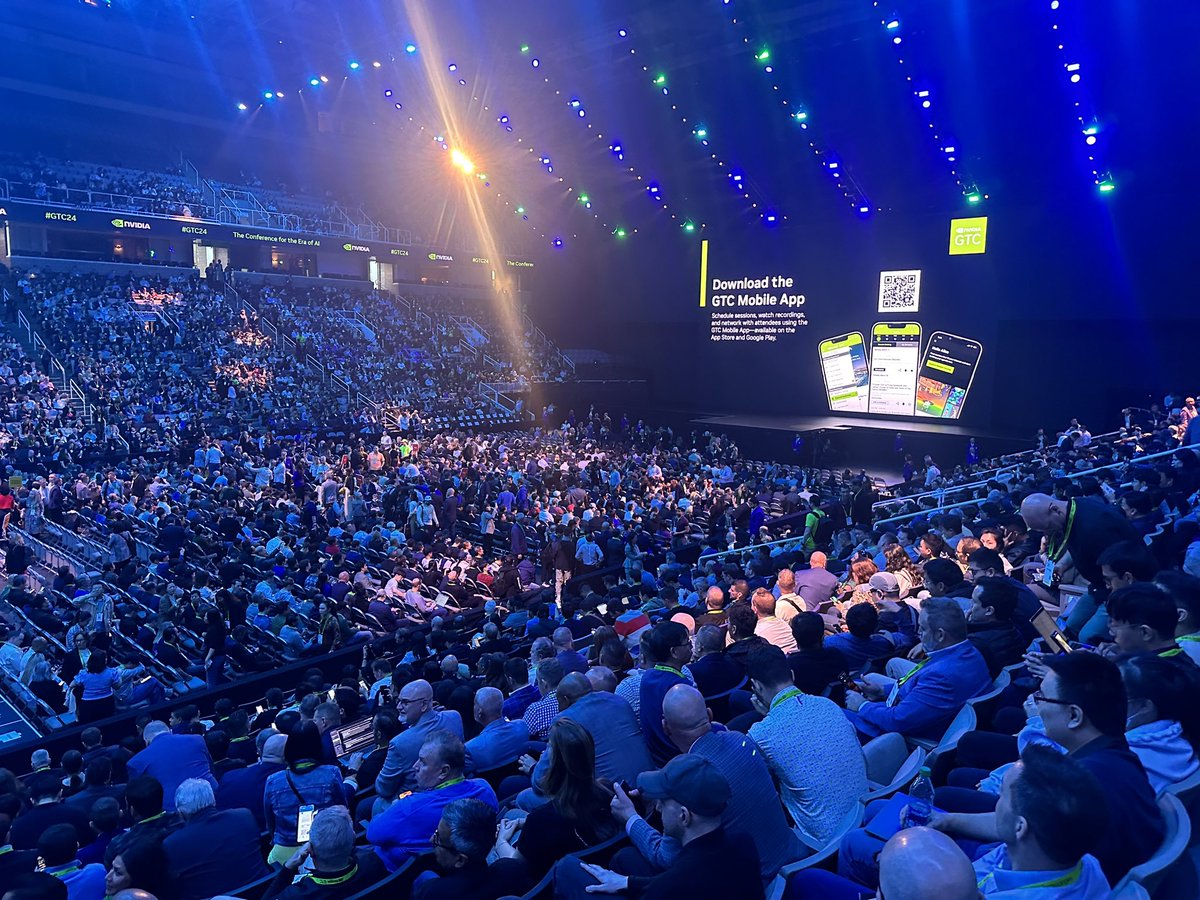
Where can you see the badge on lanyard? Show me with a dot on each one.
(304, 823)
(1048, 575)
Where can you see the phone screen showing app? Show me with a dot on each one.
(946, 375)
(847, 378)
(895, 356)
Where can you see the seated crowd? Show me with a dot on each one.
(573, 677)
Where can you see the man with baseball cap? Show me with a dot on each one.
(690, 793)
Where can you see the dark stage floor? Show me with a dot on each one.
(793, 424)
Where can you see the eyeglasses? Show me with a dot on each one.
(404, 702)
(1039, 697)
(436, 841)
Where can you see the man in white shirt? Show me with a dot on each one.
(770, 628)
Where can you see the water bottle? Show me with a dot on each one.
(920, 800)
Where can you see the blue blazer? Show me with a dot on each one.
(173, 759)
(930, 698)
(499, 744)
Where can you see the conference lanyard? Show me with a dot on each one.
(450, 782)
(913, 671)
(336, 879)
(785, 696)
(1063, 880)
(1056, 549)
(69, 870)
(1167, 654)
(1189, 637)
(666, 669)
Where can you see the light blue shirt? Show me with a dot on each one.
(1082, 882)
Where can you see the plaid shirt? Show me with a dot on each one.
(540, 716)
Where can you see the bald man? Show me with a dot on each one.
(416, 711)
(754, 809)
(816, 584)
(572, 688)
(500, 741)
(916, 864)
(714, 608)
(1082, 529)
(621, 753)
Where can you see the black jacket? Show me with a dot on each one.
(215, 852)
(714, 865)
(1000, 643)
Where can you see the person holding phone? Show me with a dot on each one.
(292, 797)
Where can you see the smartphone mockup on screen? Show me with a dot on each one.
(895, 355)
(844, 368)
(946, 375)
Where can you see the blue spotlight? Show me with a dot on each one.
(355, 66)
(557, 243)
(410, 48)
(315, 82)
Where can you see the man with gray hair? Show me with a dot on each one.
(416, 711)
(172, 759)
(461, 844)
(336, 870)
(500, 742)
(243, 788)
(924, 701)
(216, 850)
(603, 679)
(39, 761)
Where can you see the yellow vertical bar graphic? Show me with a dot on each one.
(703, 273)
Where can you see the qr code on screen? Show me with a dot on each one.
(900, 292)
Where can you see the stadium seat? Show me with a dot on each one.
(820, 854)
(1179, 832)
(888, 769)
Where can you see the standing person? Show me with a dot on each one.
(562, 561)
(35, 509)
(293, 795)
(215, 635)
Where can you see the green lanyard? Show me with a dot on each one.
(1063, 880)
(913, 671)
(785, 696)
(1188, 637)
(1056, 549)
(63, 873)
(450, 782)
(337, 879)
(1167, 654)
(666, 669)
